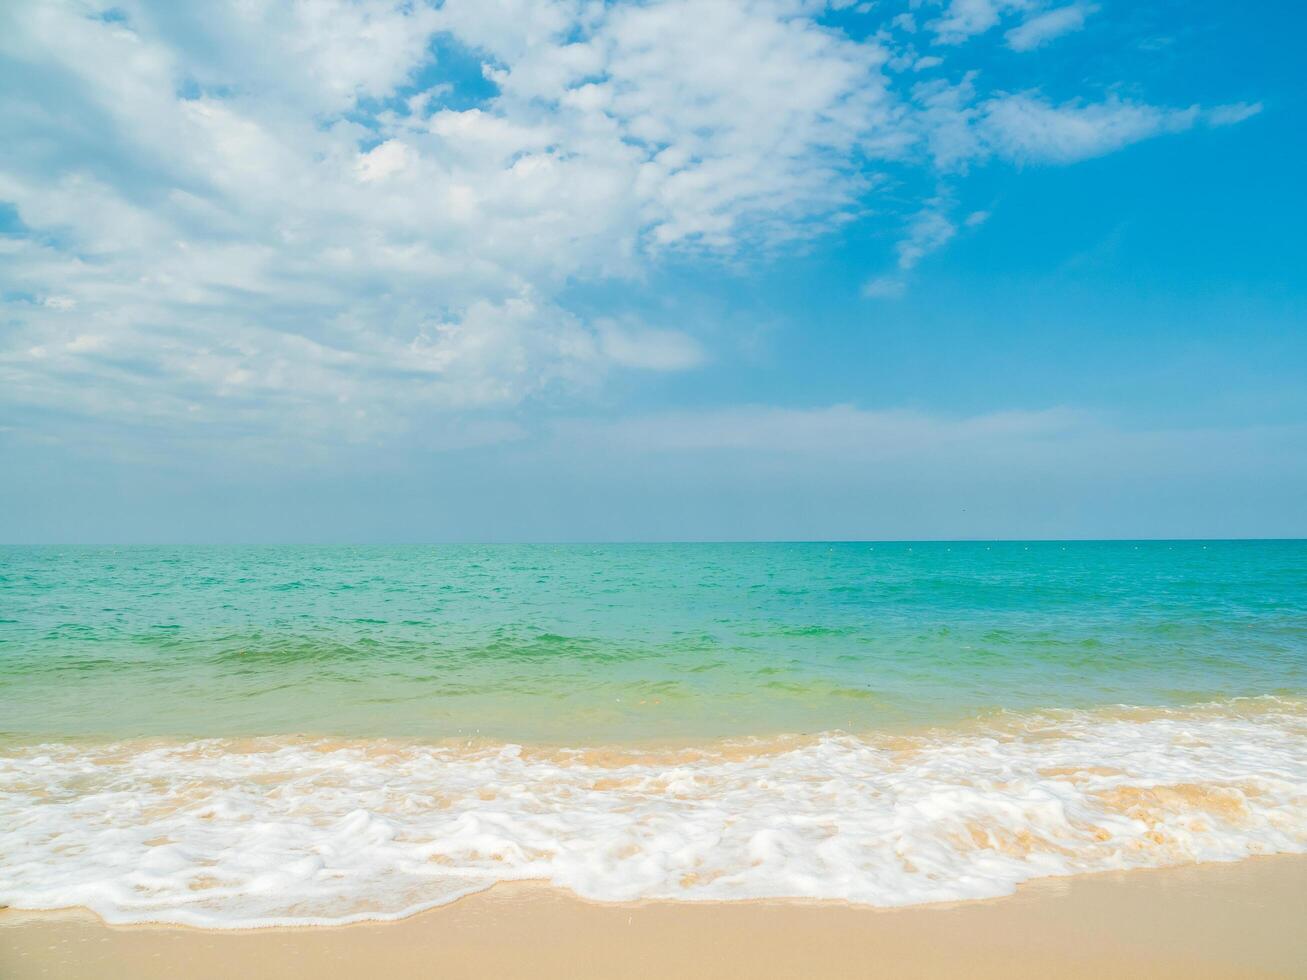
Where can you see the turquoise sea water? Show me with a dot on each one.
(233, 737)
(580, 644)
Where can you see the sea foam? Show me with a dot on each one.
(292, 831)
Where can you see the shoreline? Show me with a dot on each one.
(280, 832)
(1204, 920)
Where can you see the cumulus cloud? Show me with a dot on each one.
(299, 215)
(386, 160)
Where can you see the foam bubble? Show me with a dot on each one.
(231, 833)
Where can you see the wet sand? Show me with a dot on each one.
(1217, 920)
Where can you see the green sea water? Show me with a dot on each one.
(243, 737)
(583, 644)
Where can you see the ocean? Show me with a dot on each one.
(246, 736)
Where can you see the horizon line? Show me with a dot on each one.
(582, 542)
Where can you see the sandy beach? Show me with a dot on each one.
(1214, 920)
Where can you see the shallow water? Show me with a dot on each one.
(591, 644)
(244, 736)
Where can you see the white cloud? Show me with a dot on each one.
(386, 160)
(749, 121)
(925, 232)
(1038, 29)
(655, 350)
(884, 287)
(85, 343)
(963, 19)
(928, 231)
(286, 215)
(1027, 128)
(1230, 115)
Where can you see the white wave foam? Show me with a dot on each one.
(224, 833)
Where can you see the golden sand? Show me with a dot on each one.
(1237, 920)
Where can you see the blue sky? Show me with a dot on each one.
(408, 271)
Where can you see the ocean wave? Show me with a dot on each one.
(296, 831)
